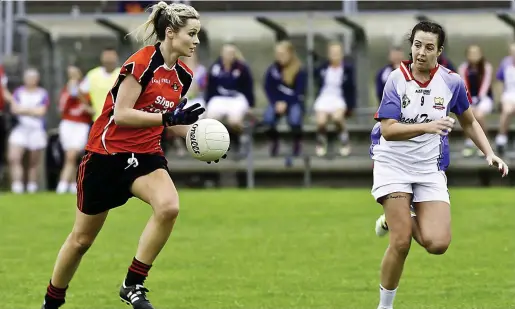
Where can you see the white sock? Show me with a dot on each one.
(386, 298)
(344, 137)
(501, 140)
(469, 142)
(17, 187)
(62, 187)
(73, 188)
(32, 187)
(244, 139)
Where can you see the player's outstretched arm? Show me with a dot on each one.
(124, 112)
(474, 131)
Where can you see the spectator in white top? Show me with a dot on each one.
(29, 107)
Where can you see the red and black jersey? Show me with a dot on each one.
(162, 88)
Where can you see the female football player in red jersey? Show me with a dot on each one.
(124, 156)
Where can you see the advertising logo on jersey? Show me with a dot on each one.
(424, 91)
(420, 118)
(439, 103)
(405, 101)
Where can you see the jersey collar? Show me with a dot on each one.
(162, 59)
(405, 68)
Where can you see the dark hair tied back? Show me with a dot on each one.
(431, 27)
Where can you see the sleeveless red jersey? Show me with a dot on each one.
(70, 108)
(162, 88)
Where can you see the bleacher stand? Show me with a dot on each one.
(60, 34)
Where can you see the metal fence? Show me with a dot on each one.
(52, 41)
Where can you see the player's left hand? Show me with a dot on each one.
(223, 157)
(495, 160)
(183, 116)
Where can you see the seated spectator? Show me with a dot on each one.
(394, 60)
(336, 97)
(446, 62)
(76, 117)
(29, 107)
(195, 94)
(230, 93)
(477, 74)
(506, 74)
(285, 87)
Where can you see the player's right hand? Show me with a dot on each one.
(182, 116)
(441, 126)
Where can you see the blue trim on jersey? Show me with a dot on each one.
(375, 137)
(444, 159)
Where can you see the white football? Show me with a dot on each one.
(207, 140)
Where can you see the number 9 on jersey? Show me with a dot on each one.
(207, 140)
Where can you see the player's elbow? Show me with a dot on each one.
(387, 134)
(120, 117)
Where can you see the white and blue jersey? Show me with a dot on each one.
(31, 99)
(409, 102)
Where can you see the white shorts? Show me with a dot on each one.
(28, 137)
(424, 187)
(73, 135)
(230, 107)
(199, 100)
(484, 105)
(329, 104)
(508, 98)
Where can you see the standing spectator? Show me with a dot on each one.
(285, 87)
(336, 85)
(5, 98)
(394, 58)
(76, 117)
(30, 106)
(98, 81)
(477, 75)
(230, 92)
(506, 74)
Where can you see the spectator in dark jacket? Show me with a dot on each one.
(336, 96)
(446, 62)
(230, 92)
(285, 87)
(394, 58)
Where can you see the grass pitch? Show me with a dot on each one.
(275, 249)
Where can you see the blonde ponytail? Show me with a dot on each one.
(164, 15)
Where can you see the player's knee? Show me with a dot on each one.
(401, 243)
(167, 209)
(81, 242)
(436, 247)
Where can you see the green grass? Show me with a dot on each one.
(274, 249)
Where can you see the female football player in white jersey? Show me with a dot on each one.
(410, 149)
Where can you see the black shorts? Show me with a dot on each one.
(104, 181)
